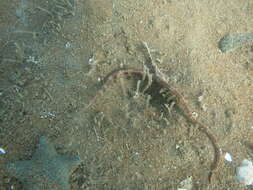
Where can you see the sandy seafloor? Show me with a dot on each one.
(52, 61)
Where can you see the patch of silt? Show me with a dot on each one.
(40, 18)
(145, 140)
(24, 43)
(38, 23)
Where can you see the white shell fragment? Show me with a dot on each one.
(186, 184)
(244, 172)
(228, 157)
(47, 114)
(2, 151)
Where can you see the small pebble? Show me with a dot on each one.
(200, 98)
(244, 172)
(67, 45)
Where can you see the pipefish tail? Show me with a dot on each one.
(180, 102)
